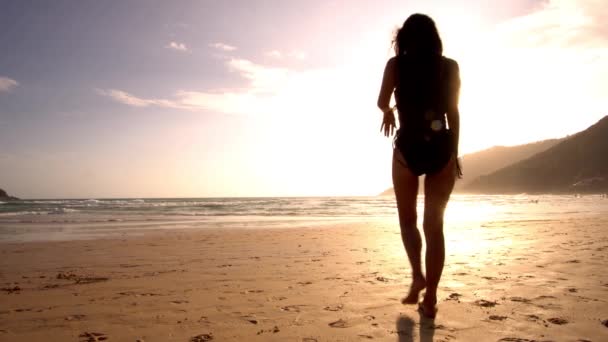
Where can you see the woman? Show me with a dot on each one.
(426, 87)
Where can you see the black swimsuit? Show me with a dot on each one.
(424, 87)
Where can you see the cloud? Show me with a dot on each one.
(134, 101)
(222, 46)
(547, 68)
(301, 55)
(296, 54)
(263, 84)
(559, 24)
(7, 84)
(177, 46)
(274, 54)
(269, 90)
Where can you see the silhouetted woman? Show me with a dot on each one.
(426, 86)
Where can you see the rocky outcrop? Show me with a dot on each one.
(5, 197)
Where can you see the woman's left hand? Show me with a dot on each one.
(388, 124)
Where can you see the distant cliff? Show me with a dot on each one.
(493, 159)
(576, 164)
(5, 197)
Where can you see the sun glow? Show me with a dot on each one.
(317, 128)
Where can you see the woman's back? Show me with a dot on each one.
(423, 88)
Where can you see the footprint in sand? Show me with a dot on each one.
(75, 317)
(382, 279)
(515, 339)
(533, 318)
(454, 296)
(135, 294)
(558, 321)
(497, 318)
(520, 299)
(369, 337)
(252, 291)
(13, 289)
(485, 303)
(250, 319)
(309, 339)
(291, 308)
(339, 324)
(92, 337)
(273, 330)
(202, 338)
(333, 308)
(605, 323)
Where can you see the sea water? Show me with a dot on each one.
(67, 219)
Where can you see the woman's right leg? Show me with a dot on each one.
(405, 184)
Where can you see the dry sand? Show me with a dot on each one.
(522, 281)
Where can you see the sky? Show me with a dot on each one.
(103, 99)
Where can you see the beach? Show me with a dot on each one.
(527, 280)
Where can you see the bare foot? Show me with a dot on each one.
(417, 285)
(427, 309)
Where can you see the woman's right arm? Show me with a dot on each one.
(388, 85)
(384, 98)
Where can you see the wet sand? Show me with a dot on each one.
(542, 280)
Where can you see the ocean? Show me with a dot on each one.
(68, 219)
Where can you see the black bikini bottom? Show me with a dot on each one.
(425, 153)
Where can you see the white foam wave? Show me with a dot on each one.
(58, 211)
(20, 213)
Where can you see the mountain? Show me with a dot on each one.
(5, 197)
(492, 159)
(576, 164)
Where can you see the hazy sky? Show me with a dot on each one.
(268, 98)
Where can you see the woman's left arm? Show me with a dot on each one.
(384, 98)
(453, 113)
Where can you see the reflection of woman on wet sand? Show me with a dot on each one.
(426, 87)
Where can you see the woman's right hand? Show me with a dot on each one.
(388, 124)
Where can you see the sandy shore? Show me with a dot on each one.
(522, 281)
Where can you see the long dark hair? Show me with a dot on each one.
(418, 36)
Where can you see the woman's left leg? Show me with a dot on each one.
(437, 190)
